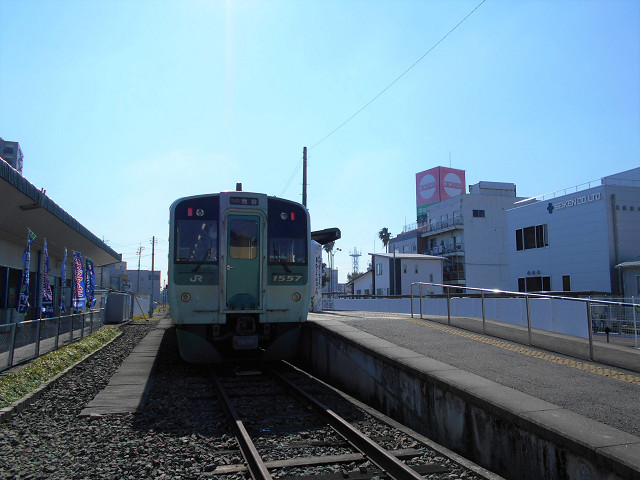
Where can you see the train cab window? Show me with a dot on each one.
(287, 233)
(196, 231)
(243, 238)
(196, 241)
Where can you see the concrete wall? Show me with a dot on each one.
(506, 431)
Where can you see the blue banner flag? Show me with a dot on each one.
(91, 284)
(47, 294)
(64, 282)
(79, 298)
(22, 305)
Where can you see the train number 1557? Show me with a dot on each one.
(286, 278)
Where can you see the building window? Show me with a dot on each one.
(534, 284)
(378, 291)
(366, 291)
(566, 283)
(378, 269)
(478, 213)
(532, 237)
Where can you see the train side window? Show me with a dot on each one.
(243, 239)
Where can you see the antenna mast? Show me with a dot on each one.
(355, 255)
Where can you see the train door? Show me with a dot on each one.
(243, 262)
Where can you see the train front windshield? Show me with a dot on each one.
(196, 231)
(287, 233)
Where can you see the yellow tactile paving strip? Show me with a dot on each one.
(530, 352)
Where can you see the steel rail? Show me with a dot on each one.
(371, 450)
(256, 466)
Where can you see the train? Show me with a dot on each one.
(240, 275)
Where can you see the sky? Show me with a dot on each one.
(123, 106)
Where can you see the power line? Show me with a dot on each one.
(383, 91)
(291, 178)
(399, 77)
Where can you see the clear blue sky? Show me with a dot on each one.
(121, 107)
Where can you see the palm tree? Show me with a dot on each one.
(385, 236)
(328, 247)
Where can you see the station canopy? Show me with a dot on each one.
(24, 207)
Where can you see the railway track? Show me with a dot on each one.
(291, 426)
(183, 432)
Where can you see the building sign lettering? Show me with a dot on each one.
(592, 197)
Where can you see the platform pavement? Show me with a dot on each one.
(587, 408)
(129, 387)
(597, 391)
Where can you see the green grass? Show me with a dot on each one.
(16, 385)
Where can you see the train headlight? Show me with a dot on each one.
(185, 297)
(296, 297)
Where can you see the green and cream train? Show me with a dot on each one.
(239, 276)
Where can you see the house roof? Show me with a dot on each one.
(635, 264)
(360, 277)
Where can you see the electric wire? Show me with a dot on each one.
(398, 77)
(293, 175)
(383, 91)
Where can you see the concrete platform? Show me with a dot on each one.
(129, 387)
(516, 411)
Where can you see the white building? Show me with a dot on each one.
(331, 280)
(469, 231)
(630, 274)
(362, 284)
(393, 273)
(574, 241)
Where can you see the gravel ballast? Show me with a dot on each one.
(182, 432)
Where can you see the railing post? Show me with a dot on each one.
(484, 328)
(58, 330)
(38, 328)
(528, 319)
(590, 328)
(635, 323)
(421, 301)
(71, 329)
(412, 299)
(12, 343)
(448, 306)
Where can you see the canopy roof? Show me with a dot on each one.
(23, 207)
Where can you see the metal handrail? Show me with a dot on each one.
(37, 343)
(526, 295)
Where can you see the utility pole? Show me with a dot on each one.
(139, 257)
(304, 176)
(153, 256)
